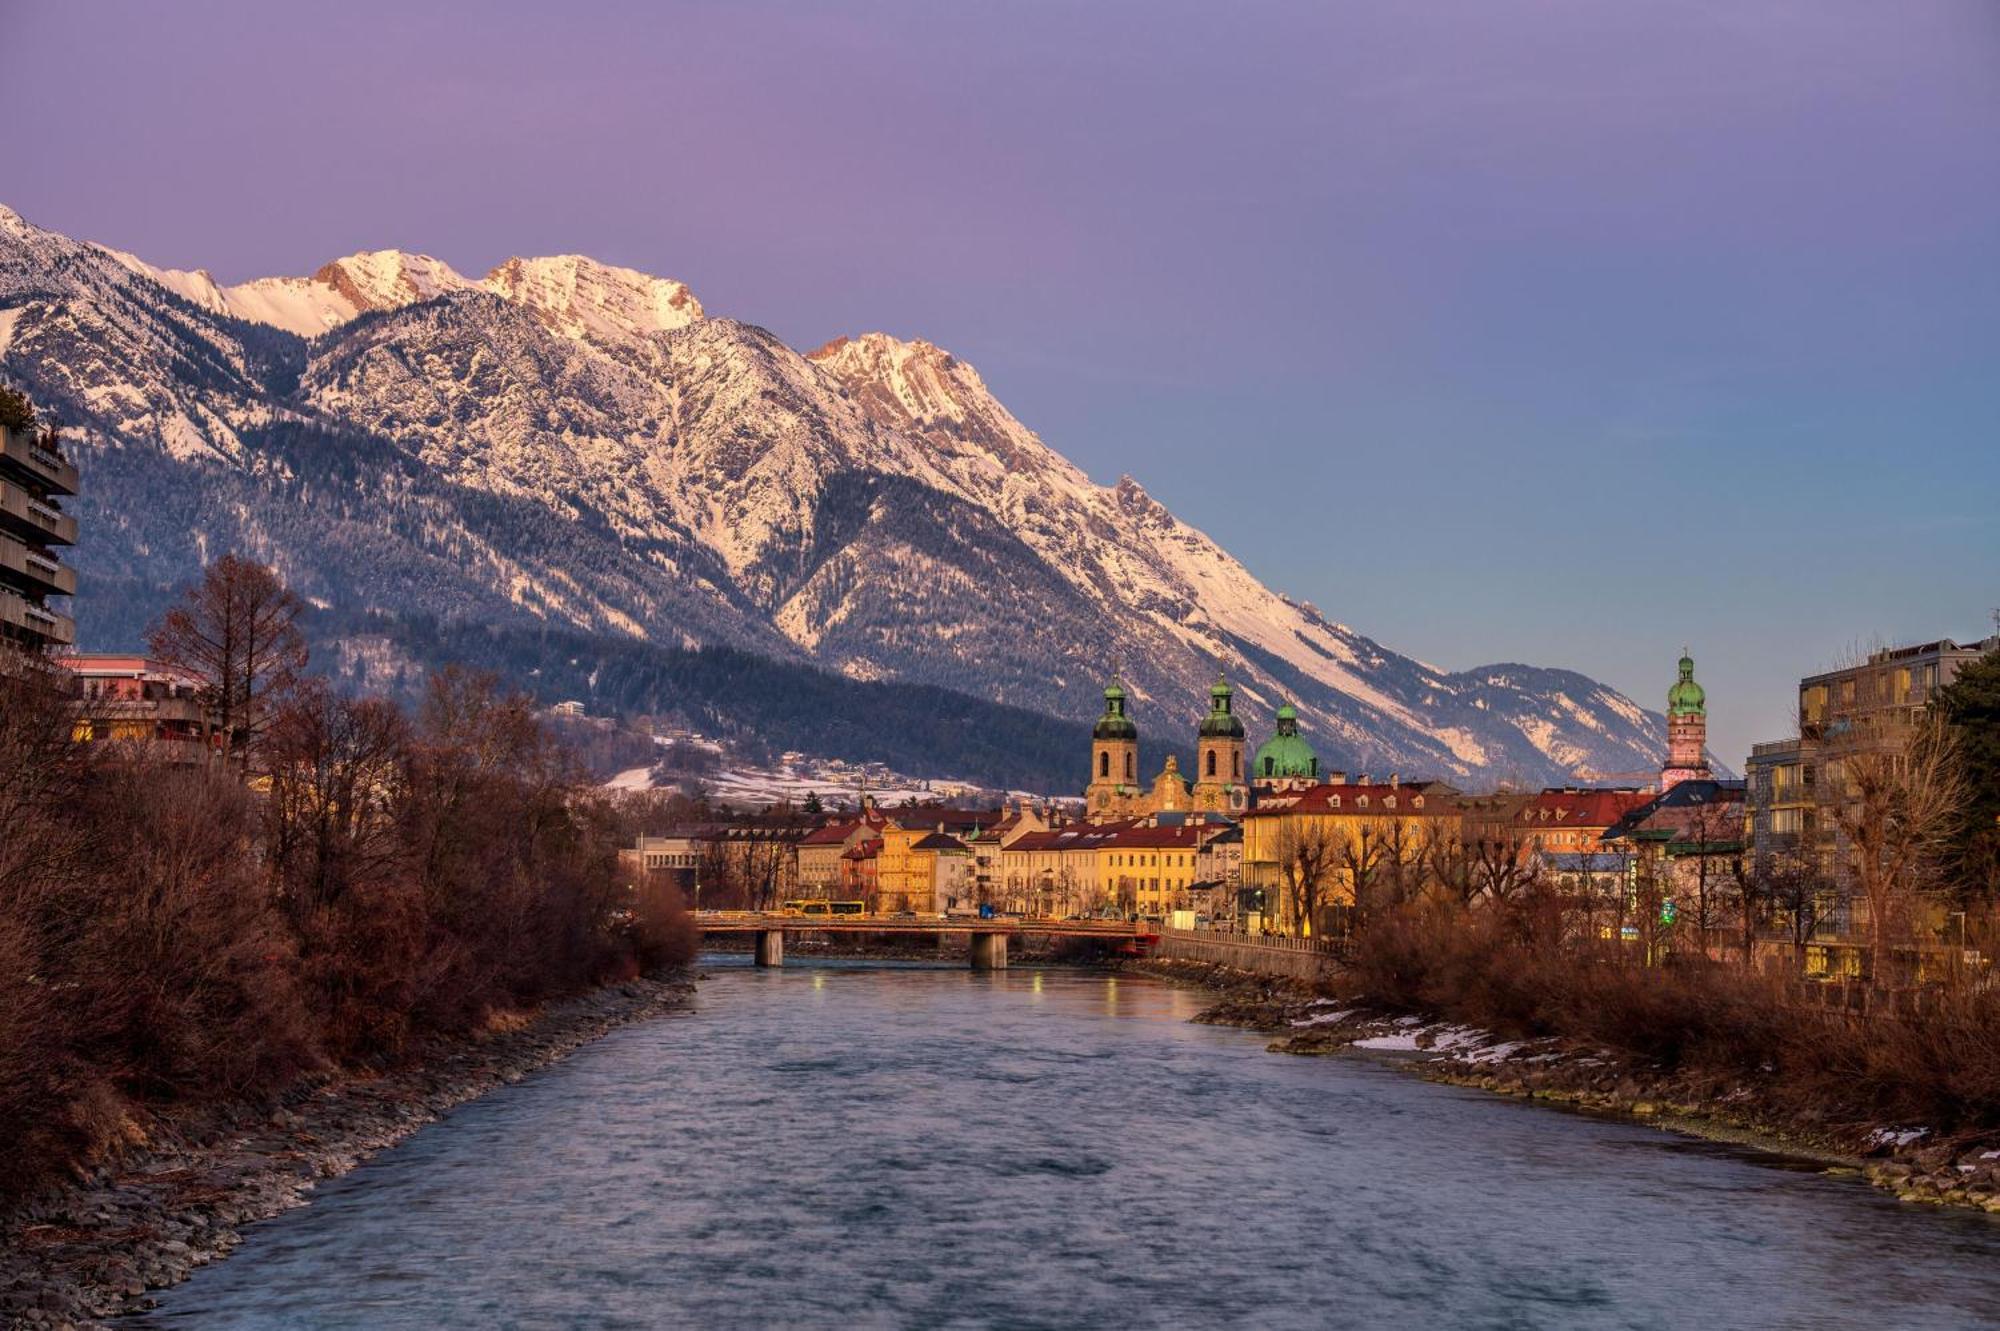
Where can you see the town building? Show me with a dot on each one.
(989, 846)
(1682, 849)
(1687, 729)
(1148, 869)
(1870, 708)
(822, 850)
(921, 870)
(132, 700)
(1312, 854)
(34, 477)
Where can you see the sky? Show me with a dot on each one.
(1566, 333)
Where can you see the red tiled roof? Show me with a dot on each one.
(1580, 808)
(1155, 838)
(1354, 798)
(833, 834)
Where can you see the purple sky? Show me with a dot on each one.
(1558, 332)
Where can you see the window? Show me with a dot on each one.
(1128, 766)
(1211, 762)
(1104, 764)
(1270, 766)
(1235, 765)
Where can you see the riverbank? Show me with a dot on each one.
(82, 1252)
(1303, 1019)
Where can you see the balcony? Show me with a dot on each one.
(22, 616)
(24, 456)
(40, 574)
(23, 513)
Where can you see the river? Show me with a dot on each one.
(872, 1144)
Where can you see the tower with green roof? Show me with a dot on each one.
(1285, 759)
(1219, 780)
(1114, 757)
(1687, 729)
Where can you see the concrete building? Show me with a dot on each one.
(134, 700)
(34, 476)
(1871, 707)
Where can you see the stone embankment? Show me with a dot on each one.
(88, 1251)
(1310, 1019)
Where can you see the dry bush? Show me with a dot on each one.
(1491, 968)
(662, 931)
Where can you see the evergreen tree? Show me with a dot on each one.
(1971, 706)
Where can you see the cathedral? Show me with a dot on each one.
(1224, 780)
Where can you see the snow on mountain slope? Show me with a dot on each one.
(309, 306)
(600, 452)
(584, 299)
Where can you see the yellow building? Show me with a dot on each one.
(921, 870)
(1314, 852)
(1056, 872)
(1149, 870)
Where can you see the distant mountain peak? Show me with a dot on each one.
(387, 279)
(585, 300)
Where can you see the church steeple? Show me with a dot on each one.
(1219, 779)
(1114, 757)
(1687, 729)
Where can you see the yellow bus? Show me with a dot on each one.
(815, 906)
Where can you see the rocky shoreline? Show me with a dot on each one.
(1302, 1020)
(86, 1251)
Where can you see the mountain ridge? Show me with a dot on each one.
(869, 506)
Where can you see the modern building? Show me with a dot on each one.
(1871, 707)
(34, 477)
(134, 700)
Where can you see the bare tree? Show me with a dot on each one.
(1895, 807)
(236, 630)
(1307, 855)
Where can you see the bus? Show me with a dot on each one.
(815, 906)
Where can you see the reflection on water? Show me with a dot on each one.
(839, 1144)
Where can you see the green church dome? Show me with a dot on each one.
(1686, 698)
(1114, 724)
(1285, 754)
(1221, 722)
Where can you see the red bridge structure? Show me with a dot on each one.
(988, 937)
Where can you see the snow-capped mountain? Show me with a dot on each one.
(577, 444)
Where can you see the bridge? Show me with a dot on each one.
(988, 937)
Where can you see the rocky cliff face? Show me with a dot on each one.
(584, 446)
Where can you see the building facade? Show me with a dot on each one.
(34, 477)
(134, 700)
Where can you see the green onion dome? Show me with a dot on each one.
(1686, 698)
(1114, 724)
(1285, 754)
(1221, 722)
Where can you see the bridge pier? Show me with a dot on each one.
(770, 947)
(989, 952)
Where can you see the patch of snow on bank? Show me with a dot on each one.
(1897, 1136)
(1325, 1018)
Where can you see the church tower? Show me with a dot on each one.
(1687, 730)
(1220, 784)
(1114, 758)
